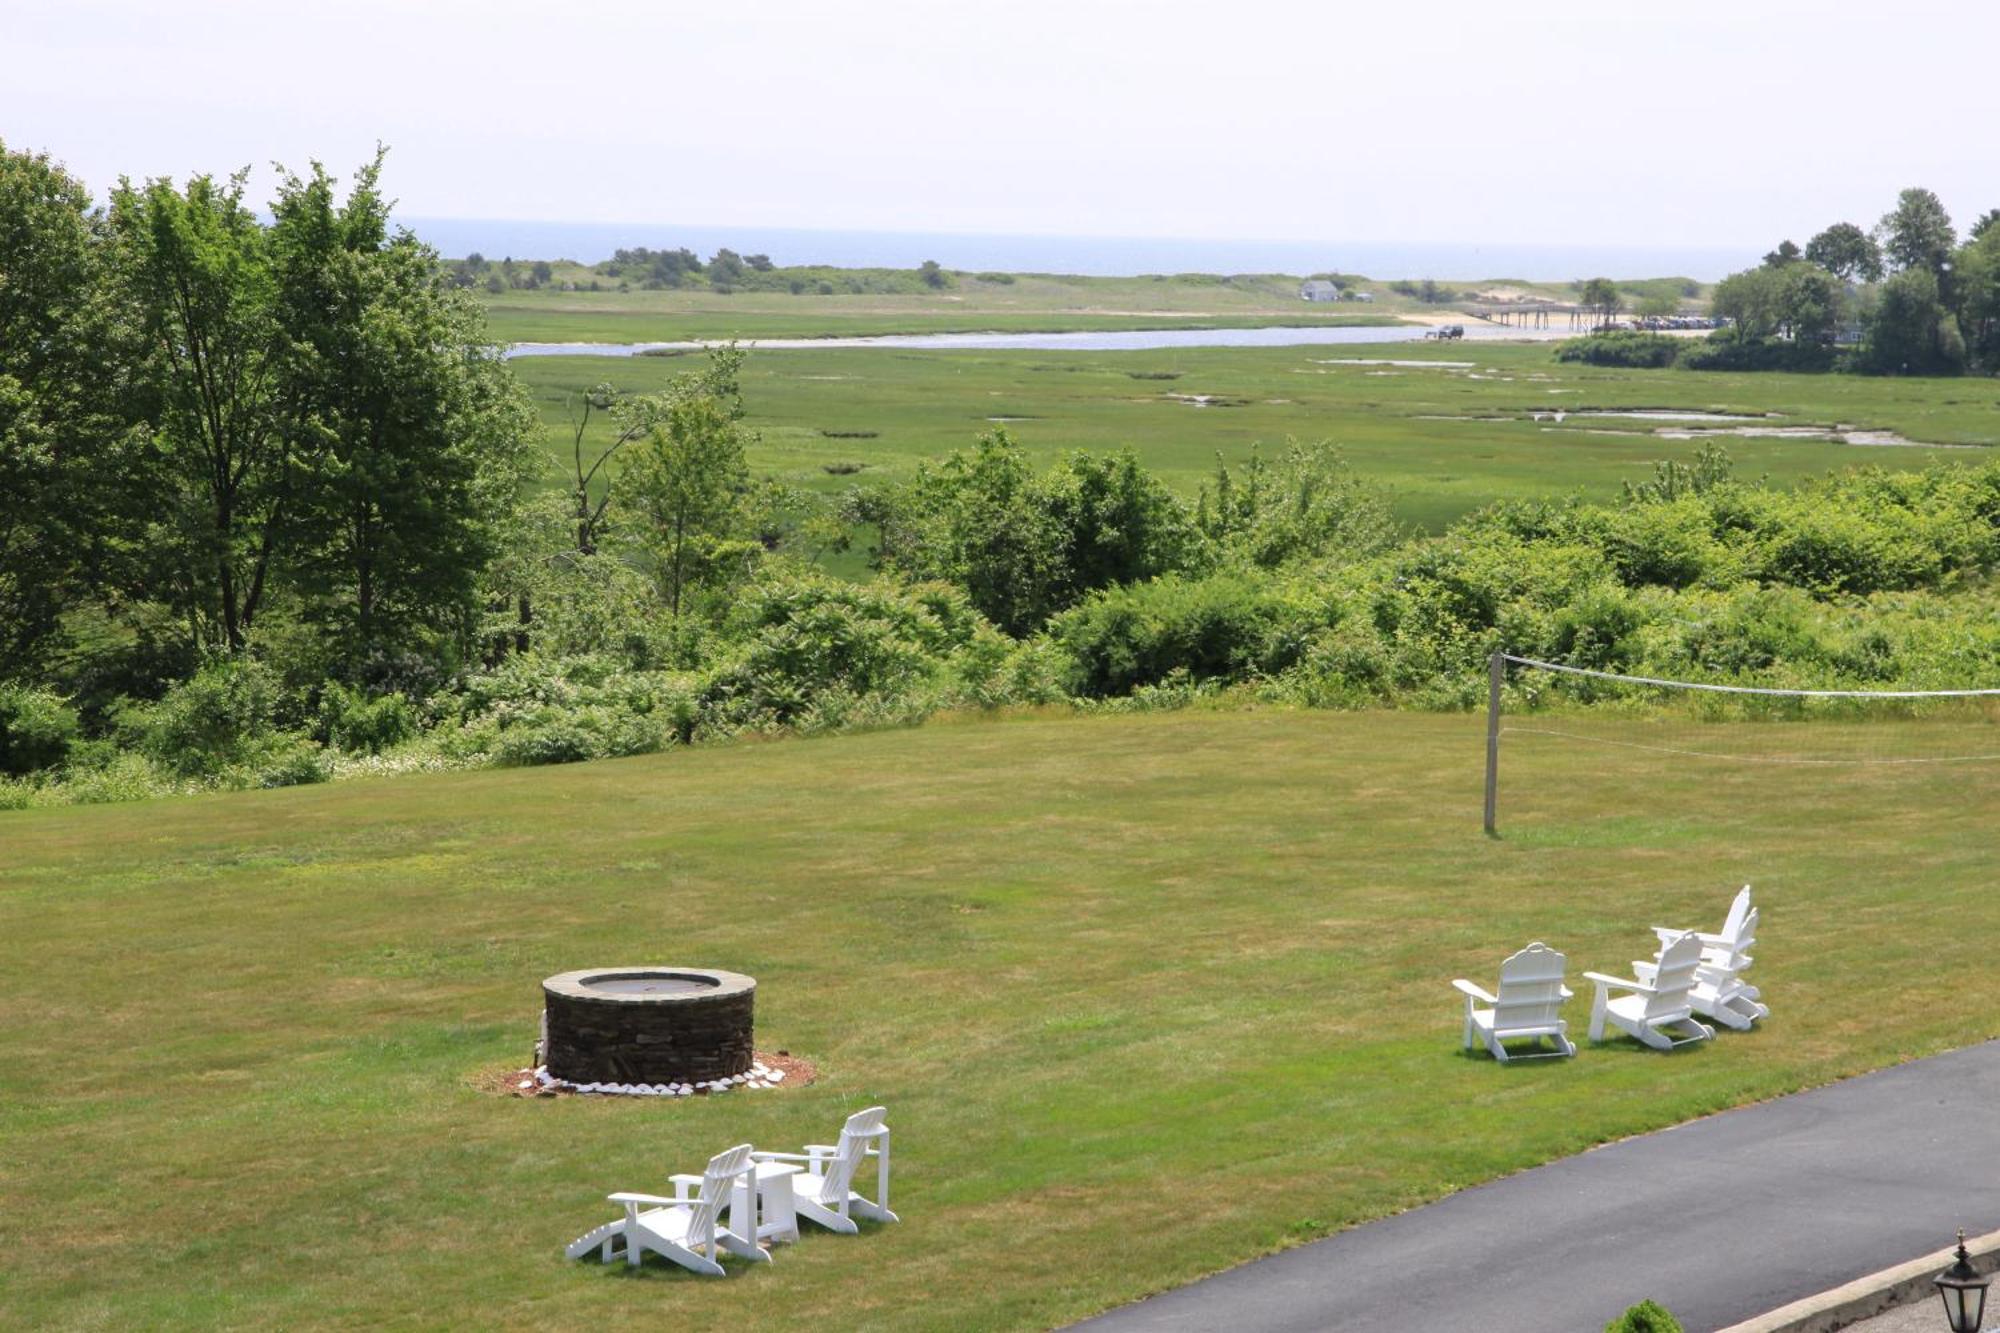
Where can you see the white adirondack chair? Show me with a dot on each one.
(1720, 991)
(1529, 1005)
(824, 1189)
(1659, 1011)
(688, 1227)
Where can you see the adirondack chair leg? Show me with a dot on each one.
(827, 1218)
(1471, 1028)
(1597, 1012)
(874, 1212)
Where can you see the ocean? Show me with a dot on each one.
(1103, 256)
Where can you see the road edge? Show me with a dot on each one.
(1875, 1294)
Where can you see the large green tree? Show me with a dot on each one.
(1917, 233)
(417, 434)
(1847, 252)
(195, 266)
(67, 446)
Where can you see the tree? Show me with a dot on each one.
(1786, 253)
(1987, 221)
(195, 266)
(418, 436)
(67, 447)
(1910, 332)
(685, 483)
(1600, 295)
(542, 272)
(725, 270)
(932, 274)
(1977, 278)
(1751, 301)
(1810, 303)
(1917, 233)
(1024, 547)
(1847, 252)
(761, 263)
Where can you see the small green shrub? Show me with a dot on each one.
(293, 761)
(352, 722)
(37, 729)
(1724, 350)
(1227, 626)
(1645, 1317)
(209, 721)
(1621, 347)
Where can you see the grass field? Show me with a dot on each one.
(895, 407)
(1145, 996)
(1032, 302)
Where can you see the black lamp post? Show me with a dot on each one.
(1963, 1292)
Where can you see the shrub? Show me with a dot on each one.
(292, 762)
(1227, 626)
(1726, 350)
(547, 737)
(37, 729)
(350, 721)
(1619, 347)
(209, 721)
(1645, 1317)
(806, 638)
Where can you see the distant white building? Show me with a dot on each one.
(1318, 289)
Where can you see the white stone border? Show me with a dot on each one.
(759, 1076)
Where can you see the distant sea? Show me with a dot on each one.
(1103, 256)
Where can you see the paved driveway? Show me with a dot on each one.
(1761, 1206)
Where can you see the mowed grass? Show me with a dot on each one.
(888, 409)
(1032, 302)
(1145, 996)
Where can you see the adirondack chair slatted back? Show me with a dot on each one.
(717, 1180)
(861, 1131)
(1675, 978)
(1741, 922)
(1530, 995)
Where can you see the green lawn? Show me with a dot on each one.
(1145, 996)
(918, 404)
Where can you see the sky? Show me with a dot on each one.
(1524, 121)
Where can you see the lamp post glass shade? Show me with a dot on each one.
(1963, 1292)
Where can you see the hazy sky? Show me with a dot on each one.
(1415, 120)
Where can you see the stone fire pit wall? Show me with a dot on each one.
(648, 1024)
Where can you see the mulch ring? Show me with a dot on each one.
(511, 1082)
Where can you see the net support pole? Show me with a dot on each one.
(1496, 674)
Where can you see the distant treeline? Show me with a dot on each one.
(1908, 298)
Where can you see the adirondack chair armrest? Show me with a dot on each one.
(627, 1197)
(1668, 934)
(1618, 983)
(821, 1150)
(1473, 992)
(1566, 992)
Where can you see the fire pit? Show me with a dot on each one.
(647, 1025)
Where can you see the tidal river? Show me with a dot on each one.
(1126, 341)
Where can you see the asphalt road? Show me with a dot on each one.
(1718, 1220)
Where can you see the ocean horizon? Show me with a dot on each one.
(1092, 256)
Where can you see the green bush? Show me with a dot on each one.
(350, 721)
(1726, 350)
(1619, 347)
(292, 761)
(37, 729)
(1645, 1317)
(211, 720)
(1228, 626)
